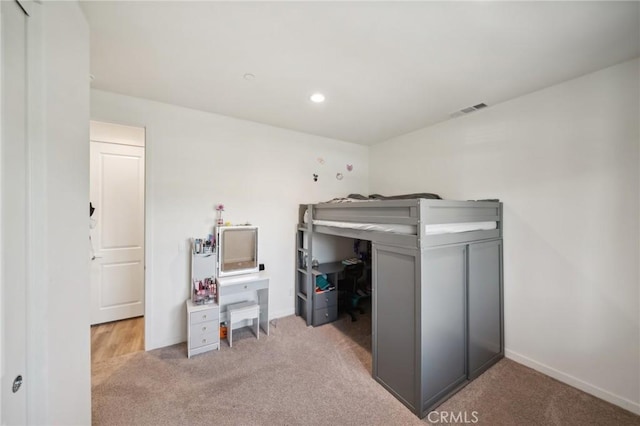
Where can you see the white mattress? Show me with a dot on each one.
(447, 228)
(381, 227)
(452, 228)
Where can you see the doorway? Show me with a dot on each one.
(117, 234)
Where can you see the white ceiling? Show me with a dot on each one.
(386, 68)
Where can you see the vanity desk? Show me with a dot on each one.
(258, 282)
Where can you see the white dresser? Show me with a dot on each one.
(203, 328)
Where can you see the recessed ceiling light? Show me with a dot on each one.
(249, 76)
(317, 98)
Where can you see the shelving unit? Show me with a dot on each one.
(203, 268)
(316, 308)
(304, 268)
(203, 313)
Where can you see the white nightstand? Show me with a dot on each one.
(203, 328)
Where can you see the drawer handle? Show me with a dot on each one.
(245, 286)
(326, 315)
(204, 340)
(326, 300)
(204, 317)
(204, 328)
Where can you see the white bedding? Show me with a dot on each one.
(447, 228)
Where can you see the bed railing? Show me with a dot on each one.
(402, 212)
(418, 212)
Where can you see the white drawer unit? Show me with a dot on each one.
(203, 328)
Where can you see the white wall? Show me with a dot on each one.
(196, 160)
(565, 162)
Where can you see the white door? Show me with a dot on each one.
(14, 213)
(117, 237)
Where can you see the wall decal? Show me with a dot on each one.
(349, 167)
(339, 176)
(315, 177)
(321, 160)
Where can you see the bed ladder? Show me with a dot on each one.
(304, 258)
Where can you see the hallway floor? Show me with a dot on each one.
(113, 339)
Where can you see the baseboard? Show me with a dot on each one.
(634, 407)
(281, 313)
(164, 343)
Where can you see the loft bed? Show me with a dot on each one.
(437, 306)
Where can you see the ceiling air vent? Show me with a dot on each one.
(468, 110)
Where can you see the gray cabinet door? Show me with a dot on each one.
(443, 323)
(485, 313)
(394, 321)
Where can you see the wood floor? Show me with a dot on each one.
(117, 338)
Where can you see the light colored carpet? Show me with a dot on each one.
(301, 375)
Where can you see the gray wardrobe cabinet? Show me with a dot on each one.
(432, 337)
(485, 300)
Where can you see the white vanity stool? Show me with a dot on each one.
(242, 311)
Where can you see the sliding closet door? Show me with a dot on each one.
(15, 212)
